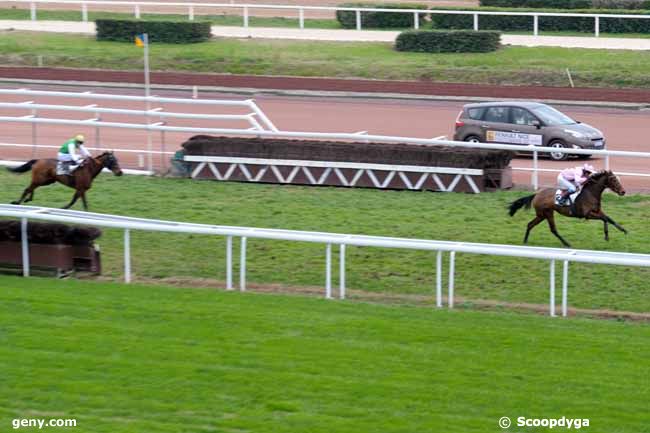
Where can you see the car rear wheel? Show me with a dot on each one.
(557, 156)
(473, 139)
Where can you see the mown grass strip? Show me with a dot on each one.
(422, 215)
(146, 358)
(509, 65)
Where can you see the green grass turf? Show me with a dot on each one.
(233, 19)
(156, 359)
(425, 215)
(509, 65)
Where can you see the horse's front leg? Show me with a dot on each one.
(73, 201)
(83, 200)
(614, 223)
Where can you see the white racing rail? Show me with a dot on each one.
(535, 150)
(26, 213)
(300, 10)
(261, 126)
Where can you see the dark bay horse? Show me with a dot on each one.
(44, 173)
(587, 204)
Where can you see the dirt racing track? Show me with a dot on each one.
(378, 110)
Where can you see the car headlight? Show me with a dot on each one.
(575, 134)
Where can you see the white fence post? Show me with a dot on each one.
(32, 11)
(84, 12)
(301, 18)
(439, 279)
(242, 265)
(475, 22)
(565, 287)
(535, 25)
(136, 11)
(24, 240)
(190, 13)
(342, 271)
(328, 271)
(597, 26)
(535, 168)
(229, 263)
(452, 264)
(245, 16)
(551, 310)
(127, 256)
(34, 134)
(358, 17)
(416, 20)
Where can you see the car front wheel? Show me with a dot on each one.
(473, 139)
(558, 156)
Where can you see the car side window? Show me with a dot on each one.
(521, 116)
(476, 113)
(496, 114)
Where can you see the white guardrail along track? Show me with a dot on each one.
(300, 11)
(263, 127)
(27, 213)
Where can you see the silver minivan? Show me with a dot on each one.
(526, 123)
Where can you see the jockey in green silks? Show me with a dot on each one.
(68, 152)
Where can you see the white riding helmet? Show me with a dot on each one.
(588, 167)
(80, 138)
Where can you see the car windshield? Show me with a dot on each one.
(550, 116)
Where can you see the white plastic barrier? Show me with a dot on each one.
(300, 11)
(26, 213)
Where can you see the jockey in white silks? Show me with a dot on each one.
(71, 150)
(571, 180)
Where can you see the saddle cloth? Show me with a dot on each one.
(64, 168)
(558, 198)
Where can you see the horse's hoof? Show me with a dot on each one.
(15, 202)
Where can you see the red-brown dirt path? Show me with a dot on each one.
(641, 96)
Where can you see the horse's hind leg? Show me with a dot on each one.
(29, 192)
(538, 219)
(551, 225)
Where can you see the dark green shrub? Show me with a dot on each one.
(569, 4)
(574, 24)
(455, 41)
(158, 31)
(548, 4)
(348, 19)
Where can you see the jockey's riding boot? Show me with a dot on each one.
(72, 168)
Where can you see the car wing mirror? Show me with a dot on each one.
(536, 123)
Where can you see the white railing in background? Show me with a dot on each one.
(535, 150)
(256, 119)
(566, 256)
(245, 10)
(263, 128)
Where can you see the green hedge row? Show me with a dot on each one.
(158, 31)
(458, 41)
(348, 19)
(569, 4)
(575, 24)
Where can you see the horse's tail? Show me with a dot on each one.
(23, 168)
(518, 204)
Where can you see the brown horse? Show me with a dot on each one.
(44, 173)
(587, 204)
